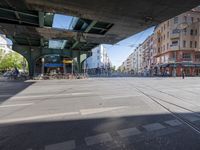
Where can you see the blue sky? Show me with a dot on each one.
(62, 21)
(118, 52)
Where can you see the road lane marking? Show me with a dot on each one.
(45, 95)
(119, 96)
(153, 126)
(99, 110)
(128, 132)
(173, 123)
(16, 105)
(4, 121)
(97, 139)
(192, 118)
(68, 145)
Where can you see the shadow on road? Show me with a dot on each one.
(163, 136)
(9, 89)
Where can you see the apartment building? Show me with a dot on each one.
(177, 44)
(147, 56)
(99, 61)
(4, 45)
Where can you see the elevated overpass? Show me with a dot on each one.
(29, 24)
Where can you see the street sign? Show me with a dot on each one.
(67, 61)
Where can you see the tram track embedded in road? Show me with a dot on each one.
(174, 114)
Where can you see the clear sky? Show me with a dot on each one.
(120, 51)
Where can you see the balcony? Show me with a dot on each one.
(171, 60)
(175, 34)
(186, 59)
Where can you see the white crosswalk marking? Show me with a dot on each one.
(15, 105)
(192, 118)
(97, 139)
(128, 132)
(31, 118)
(68, 145)
(173, 123)
(153, 127)
(100, 110)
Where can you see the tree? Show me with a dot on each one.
(113, 68)
(11, 60)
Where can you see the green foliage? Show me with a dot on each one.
(10, 60)
(113, 68)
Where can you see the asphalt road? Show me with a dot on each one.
(101, 114)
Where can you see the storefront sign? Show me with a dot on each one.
(53, 65)
(67, 61)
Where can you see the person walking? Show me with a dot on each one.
(15, 73)
(183, 73)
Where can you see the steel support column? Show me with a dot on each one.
(79, 61)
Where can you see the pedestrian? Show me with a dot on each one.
(15, 73)
(183, 73)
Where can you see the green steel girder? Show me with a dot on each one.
(51, 33)
(90, 26)
(32, 54)
(19, 17)
(41, 19)
(37, 52)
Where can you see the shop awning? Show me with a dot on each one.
(188, 65)
(53, 65)
(197, 65)
(173, 65)
(164, 65)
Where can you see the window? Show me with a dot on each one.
(186, 56)
(192, 19)
(164, 27)
(174, 55)
(98, 57)
(159, 50)
(167, 34)
(185, 18)
(174, 43)
(167, 23)
(184, 44)
(176, 20)
(198, 19)
(185, 31)
(196, 32)
(167, 46)
(197, 56)
(191, 32)
(195, 44)
(190, 44)
(164, 36)
(164, 48)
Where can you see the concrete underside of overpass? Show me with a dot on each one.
(28, 23)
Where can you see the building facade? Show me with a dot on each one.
(174, 47)
(177, 45)
(99, 62)
(4, 45)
